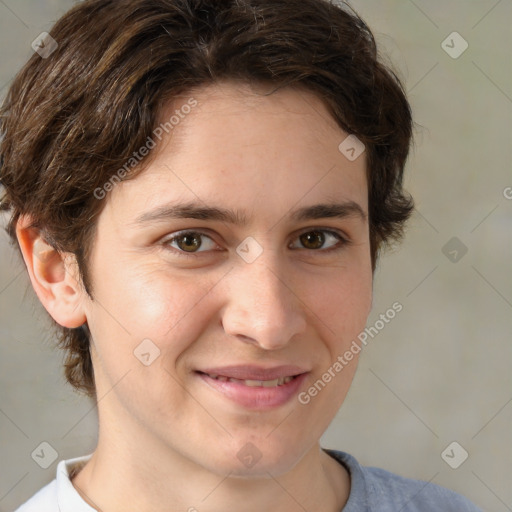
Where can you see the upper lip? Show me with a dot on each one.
(251, 372)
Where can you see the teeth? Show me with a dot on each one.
(250, 383)
(254, 383)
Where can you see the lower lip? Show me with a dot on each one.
(256, 397)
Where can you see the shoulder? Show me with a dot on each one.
(414, 495)
(375, 489)
(59, 495)
(45, 500)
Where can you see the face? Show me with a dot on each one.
(223, 291)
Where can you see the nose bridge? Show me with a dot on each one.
(261, 305)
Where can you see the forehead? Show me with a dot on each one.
(247, 149)
(251, 114)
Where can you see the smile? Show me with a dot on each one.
(255, 391)
(254, 383)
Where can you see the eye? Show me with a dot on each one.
(316, 238)
(189, 242)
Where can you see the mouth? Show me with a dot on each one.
(280, 381)
(255, 388)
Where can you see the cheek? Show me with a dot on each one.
(343, 301)
(343, 304)
(138, 302)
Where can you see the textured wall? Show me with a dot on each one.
(440, 371)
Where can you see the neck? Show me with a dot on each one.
(143, 479)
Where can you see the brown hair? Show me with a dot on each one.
(71, 120)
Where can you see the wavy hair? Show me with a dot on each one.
(71, 120)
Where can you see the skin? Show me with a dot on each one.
(165, 436)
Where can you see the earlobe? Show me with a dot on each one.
(53, 276)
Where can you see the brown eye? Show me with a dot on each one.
(312, 240)
(189, 242)
(321, 241)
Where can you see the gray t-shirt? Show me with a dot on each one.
(371, 490)
(377, 490)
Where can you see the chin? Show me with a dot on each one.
(257, 458)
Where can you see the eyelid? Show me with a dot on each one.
(329, 230)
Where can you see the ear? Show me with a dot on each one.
(54, 276)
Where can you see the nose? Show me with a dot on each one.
(262, 307)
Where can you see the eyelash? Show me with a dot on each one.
(343, 242)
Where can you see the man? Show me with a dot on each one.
(200, 191)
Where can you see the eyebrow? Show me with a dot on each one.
(198, 211)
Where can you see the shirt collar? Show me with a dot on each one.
(68, 498)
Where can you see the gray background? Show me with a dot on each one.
(441, 370)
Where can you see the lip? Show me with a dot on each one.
(253, 372)
(257, 397)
